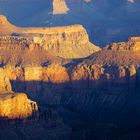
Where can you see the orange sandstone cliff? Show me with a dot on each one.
(14, 105)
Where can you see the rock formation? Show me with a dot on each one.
(106, 67)
(60, 7)
(117, 63)
(17, 112)
(98, 71)
(67, 42)
(103, 28)
(5, 85)
(16, 106)
(95, 87)
(53, 73)
(133, 44)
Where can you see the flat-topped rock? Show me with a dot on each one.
(66, 42)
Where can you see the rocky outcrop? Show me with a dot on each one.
(60, 7)
(67, 42)
(15, 43)
(106, 76)
(4, 82)
(5, 26)
(37, 81)
(25, 52)
(55, 73)
(44, 84)
(133, 44)
(16, 106)
(71, 43)
(104, 68)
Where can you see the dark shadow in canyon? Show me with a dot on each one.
(93, 109)
(103, 100)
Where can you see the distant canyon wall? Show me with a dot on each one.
(60, 7)
(133, 44)
(67, 42)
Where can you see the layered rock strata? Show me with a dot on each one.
(5, 85)
(14, 105)
(38, 80)
(67, 42)
(133, 44)
(96, 86)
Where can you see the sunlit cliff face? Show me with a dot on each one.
(16, 106)
(66, 41)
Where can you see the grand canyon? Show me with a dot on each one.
(69, 70)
